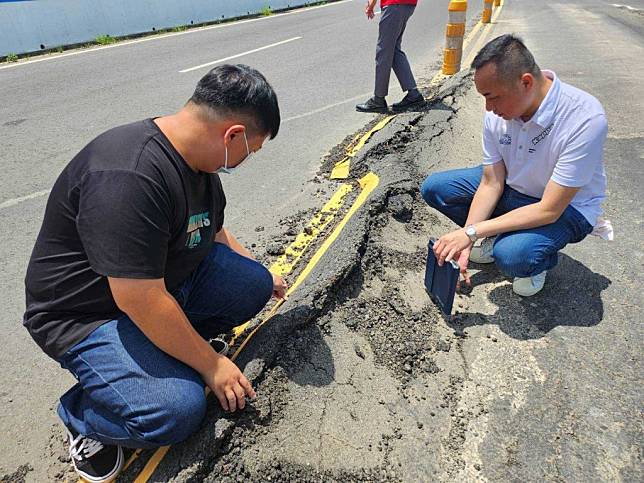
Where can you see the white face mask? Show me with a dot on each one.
(225, 169)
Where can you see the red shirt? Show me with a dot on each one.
(384, 3)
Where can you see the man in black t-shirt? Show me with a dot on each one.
(133, 271)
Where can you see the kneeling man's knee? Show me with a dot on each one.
(177, 416)
(517, 259)
(266, 288)
(260, 289)
(430, 188)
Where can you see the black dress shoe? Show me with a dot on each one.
(375, 104)
(411, 100)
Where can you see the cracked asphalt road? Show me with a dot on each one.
(360, 378)
(371, 383)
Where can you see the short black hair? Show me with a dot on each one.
(511, 57)
(238, 89)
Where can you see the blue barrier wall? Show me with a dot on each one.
(32, 25)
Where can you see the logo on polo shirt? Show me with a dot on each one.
(195, 223)
(506, 139)
(537, 139)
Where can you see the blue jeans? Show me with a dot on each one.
(522, 253)
(133, 394)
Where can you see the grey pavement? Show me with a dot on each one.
(364, 381)
(374, 384)
(51, 109)
(580, 418)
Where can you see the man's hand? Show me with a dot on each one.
(369, 9)
(229, 384)
(279, 287)
(449, 246)
(463, 259)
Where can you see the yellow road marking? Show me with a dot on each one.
(285, 263)
(471, 35)
(342, 168)
(368, 183)
(152, 464)
(131, 459)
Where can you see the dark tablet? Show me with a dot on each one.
(440, 282)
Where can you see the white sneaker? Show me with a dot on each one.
(483, 252)
(528, 286)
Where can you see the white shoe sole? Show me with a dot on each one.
(525, 288)
(107, 478)
(477, 255)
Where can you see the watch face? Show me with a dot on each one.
(471, 231)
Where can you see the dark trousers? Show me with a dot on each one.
(389, 54)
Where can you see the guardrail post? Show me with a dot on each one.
(454, 36)
(487, 11)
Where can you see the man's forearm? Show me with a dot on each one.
(483, 204)
(227, 238)
(163, 321)
(526, 217)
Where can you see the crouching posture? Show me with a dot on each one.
(133, 271)
(542, 181)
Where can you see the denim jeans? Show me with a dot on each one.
(133, 394)
(521, 253)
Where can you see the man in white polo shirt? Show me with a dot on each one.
(542, 181)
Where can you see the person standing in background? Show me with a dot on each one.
(389, 55)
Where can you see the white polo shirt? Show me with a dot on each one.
(563, 142)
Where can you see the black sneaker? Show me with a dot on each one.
(94, 461)
(375, 104)
(219, 345)
(411, 100)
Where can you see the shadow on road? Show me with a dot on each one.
(571, 297)
(312, 359)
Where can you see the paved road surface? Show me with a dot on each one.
(51, 109)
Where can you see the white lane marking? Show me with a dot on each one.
(327, 107)
(172, 34)
(628, 7)
(190, 69)
(15, 201)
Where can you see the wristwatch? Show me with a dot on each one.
(470, 231)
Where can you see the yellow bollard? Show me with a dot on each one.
(487, 11)
(454, 37)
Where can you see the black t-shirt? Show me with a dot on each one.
(126, 206)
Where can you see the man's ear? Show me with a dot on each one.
(527, 81)
(232, 131)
